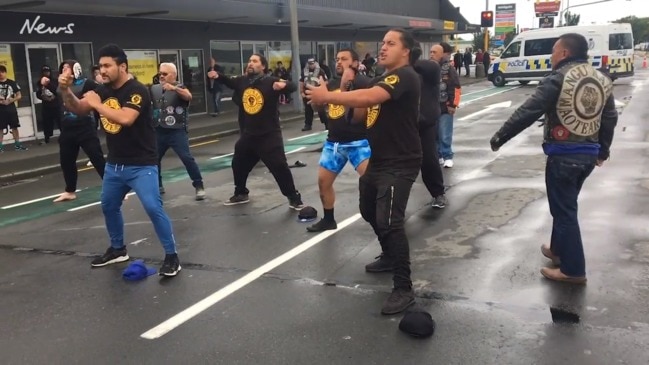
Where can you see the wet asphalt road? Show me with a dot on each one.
(475, 264)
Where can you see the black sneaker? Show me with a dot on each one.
(171, 266)
(323, 225)
(398, 301)
(306, 128)
(295, 201)
(20, 147)
(112, 256)
(237, 199)
(382, 264)
(439, 202)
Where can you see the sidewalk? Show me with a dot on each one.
(44, 159)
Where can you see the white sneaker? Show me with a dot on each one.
(441, 161)
(448, 164)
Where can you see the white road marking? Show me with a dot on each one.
(34, 200)
(91, 204)
(217, 157)
(487, 96)
(296, 150)
(136, 242)
(191, 312)
(504, 104)
(306, 135)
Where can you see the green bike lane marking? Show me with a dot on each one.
(45, 208)
(91, 195)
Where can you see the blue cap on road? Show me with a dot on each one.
(137, 271)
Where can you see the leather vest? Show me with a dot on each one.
(169, 110)
(443, 85)
(578, 115)
(312, 77)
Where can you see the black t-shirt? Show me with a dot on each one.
(392, 127)
(71, 120)
(134, 145)
(340, 128)
(431, 74)
(8, 90)
(259, 103)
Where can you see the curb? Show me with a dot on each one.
(19, 175)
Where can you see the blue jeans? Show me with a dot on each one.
(445, 137)
(118, 180)
(216, 101)
(564, 177)
(177, 140)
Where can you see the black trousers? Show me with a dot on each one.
(308, 115)
(431, 171)
(383, 199)
(51, 117)
(70, 140)
(269, 149)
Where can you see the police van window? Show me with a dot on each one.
(617, 41)
(539, 47)
(514, 50)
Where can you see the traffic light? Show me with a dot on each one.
(487, 19)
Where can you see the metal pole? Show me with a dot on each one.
(295, 56)
(486, 30)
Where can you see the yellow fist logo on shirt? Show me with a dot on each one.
(109, 126)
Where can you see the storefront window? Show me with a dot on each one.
(228, 56)
(143, 64)
(13, 57)
(194, 78)
(279, 52)
(306, 51)
(82, 52)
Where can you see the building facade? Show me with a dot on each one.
(187, 34)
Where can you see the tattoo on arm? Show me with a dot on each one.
(70, 101)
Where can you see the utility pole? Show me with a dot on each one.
(295, 56)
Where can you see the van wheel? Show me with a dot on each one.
(524, 82)
(499, 79)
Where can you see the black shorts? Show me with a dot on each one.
(9, 118)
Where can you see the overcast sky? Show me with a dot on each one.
(603, 12)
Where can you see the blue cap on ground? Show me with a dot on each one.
(136, 270)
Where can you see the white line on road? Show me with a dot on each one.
(191, 312)
(306, 135)
(217, 157)
(34, 201)
(91, 204)
(505, 104)
(487, 96)
(296, 150)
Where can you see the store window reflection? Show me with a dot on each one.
(228, 56)
(194, 78)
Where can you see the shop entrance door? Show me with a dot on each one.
(39, 55)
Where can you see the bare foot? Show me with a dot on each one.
(65, 197)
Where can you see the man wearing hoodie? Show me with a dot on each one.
(77, 131)
(51, 111)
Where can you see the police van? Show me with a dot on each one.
(527, 58)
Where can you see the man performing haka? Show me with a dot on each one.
(346, 141)
(261, 135)
(124, 105)
(390, 109)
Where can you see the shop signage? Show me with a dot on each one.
(36, 26)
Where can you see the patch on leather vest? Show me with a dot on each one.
(583, 95)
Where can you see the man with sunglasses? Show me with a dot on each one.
(170, 115)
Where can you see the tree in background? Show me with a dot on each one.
(478, 41)
(639, 27)
(570, 19)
